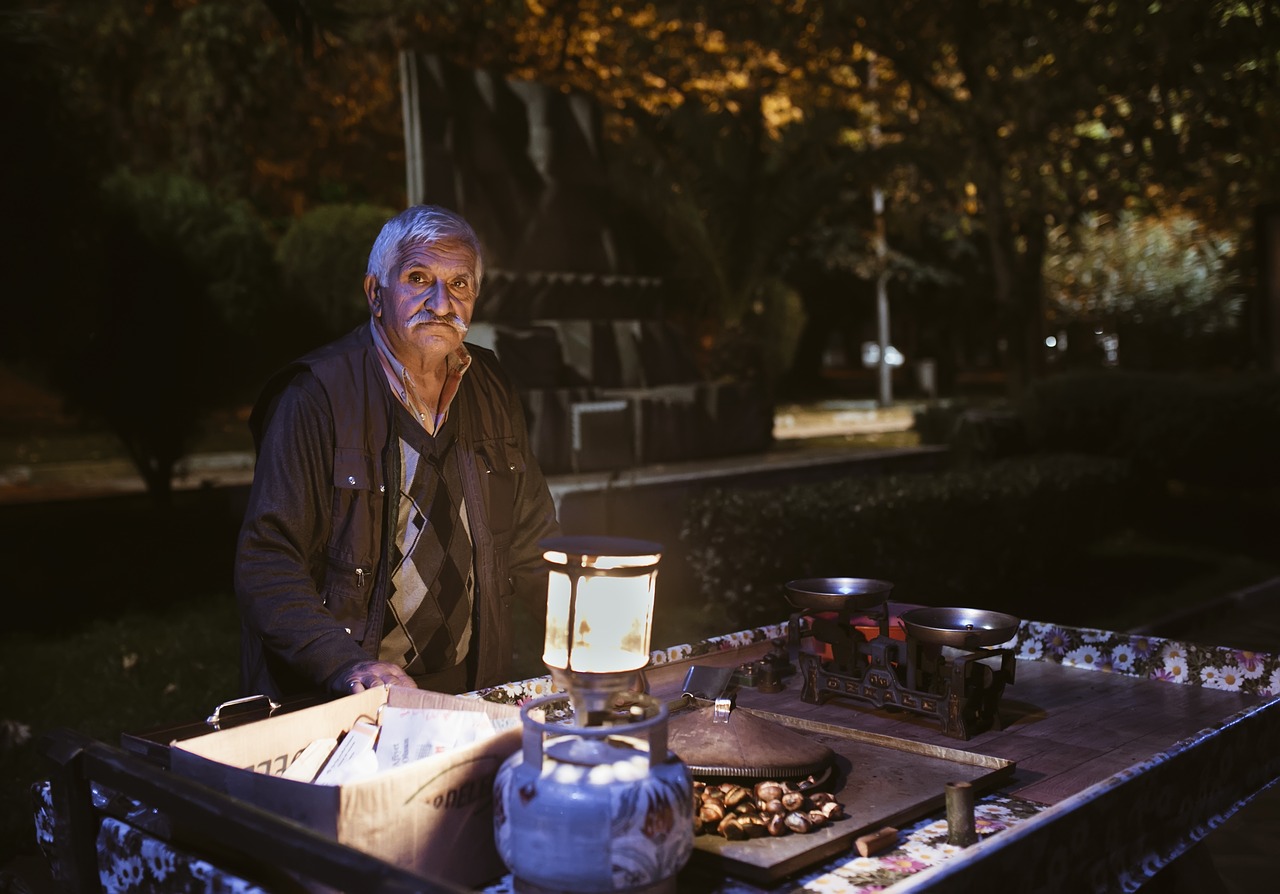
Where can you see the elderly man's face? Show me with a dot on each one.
(426, 310)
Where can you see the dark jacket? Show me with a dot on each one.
(312, 569)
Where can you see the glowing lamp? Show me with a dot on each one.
(599, 616)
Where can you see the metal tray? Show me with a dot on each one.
(883, 781)
(964, 628)
(837, 593)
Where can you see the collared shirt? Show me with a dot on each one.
(401, 385)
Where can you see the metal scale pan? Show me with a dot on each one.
(843, 596)
(837, 593)
(963, 628)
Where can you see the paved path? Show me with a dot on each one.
(795, 424)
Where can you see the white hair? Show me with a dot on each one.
(420, 224)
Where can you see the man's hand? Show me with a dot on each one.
(368, 674)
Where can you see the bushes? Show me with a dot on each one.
(158, 333)
(1195, 429)
(322, 259)
(223, 242)
(948, 537)
(1033, 486)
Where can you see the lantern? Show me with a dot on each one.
(596, 803)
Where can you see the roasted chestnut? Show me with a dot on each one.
(739, 812)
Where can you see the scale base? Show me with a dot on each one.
(962, 693)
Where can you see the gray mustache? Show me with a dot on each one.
(426, 316)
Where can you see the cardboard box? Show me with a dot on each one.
(433, 816)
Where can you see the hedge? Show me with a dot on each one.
(949, 537)
(322, 259)
(1215, 432)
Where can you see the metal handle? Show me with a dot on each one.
(216, 717)
(707, 682)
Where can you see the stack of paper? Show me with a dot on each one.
(401, 736)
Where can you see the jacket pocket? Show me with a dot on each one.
(356, 469)
(346, 591)
(358, 500)
(502, 467)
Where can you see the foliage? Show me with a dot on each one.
(173, 270)
(1009, 120)
(236, 96)
(322, 259)
(988, 127)
(1166, 269)
(727, 150)
(940, 537)
(754, 134)
(225, 240)
(730, 246)
(1191, 428)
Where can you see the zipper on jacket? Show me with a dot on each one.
(359, 578)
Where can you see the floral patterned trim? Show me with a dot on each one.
(516, 693)
(1149, 657)
(519, 692)
(924, 844)
(131, 860)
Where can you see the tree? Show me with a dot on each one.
(707, 135)
(154, 299)
(1049, 110)
(985, 122)
(283, 111)
(991, 120)
(170, 301)
(48, 181)
(1166, 284)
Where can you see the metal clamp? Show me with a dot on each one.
(706, 682)
(216, 717)
(720, 711)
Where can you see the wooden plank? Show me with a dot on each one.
(1050, 775)
(1086, 771)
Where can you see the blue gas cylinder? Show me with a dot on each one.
(583, 809)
